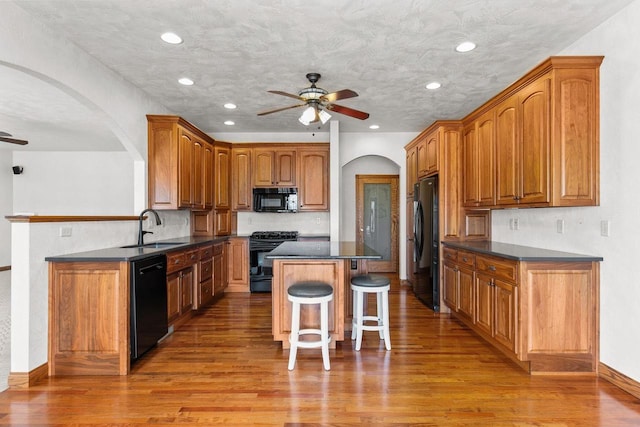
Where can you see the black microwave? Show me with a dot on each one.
(275, 199)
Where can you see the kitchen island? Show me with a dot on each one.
(329, 262)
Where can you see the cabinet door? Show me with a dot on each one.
(412, 169)
(484, 304)
(238, 265)
(197, 175)
(450, 285)
(185, 169)
(486, 162)
(508, 161)
(222, 222)
(432, 152)
(173, 296)
(505, 316)
(285, 168)
(466, 300)
(222, 173)
(422, 158)
(207, 176)
(313, 182)
(218, 274)
(241, 197)
(534, 151)
(410, 242)
(263, 163)
(186, 290)
(470, 166)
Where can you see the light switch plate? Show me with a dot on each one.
(560, 226)
(605, 228)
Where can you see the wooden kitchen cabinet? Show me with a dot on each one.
(412, 169)
(313, 178)
(479, 166)
(222, 210)
(522, 146)
(541, 314)
(208, 177)
(410, 242)
(219, 269)
(274, 167)
(180, 284)
(238, 264)
(203, 289)
(241, 184)
(177, 164)
(427, 152)
(88, 318)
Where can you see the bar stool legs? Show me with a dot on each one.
(361, 287)
(310, 293)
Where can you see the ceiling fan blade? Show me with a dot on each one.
(336, 96)
(290, 95)
(348, 111)
(264, 113)
(13, 140)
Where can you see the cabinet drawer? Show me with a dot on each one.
(217, 249)
(497, 267)
(466, 258)
(205, 270)
(192, 257)
(206, 252)
(450, 254)
(176, 261)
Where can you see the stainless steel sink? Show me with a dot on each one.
(154, 245)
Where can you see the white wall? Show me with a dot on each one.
(74, 183)
(366, 165)
(6, 206)
(618, 39)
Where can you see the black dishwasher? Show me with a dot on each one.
(148, 303)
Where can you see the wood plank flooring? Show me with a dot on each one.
(223, 368)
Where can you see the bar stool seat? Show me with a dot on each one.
(362, 286)
(310, 293)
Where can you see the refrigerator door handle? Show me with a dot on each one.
(418, 231)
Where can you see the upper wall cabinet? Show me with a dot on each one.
(313, 178)
(537, 142)
(274, 167)
(179, 162)
(241, 179)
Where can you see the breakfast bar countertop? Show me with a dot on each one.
(519, 253)
(323, 250)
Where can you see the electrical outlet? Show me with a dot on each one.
(318, 220)
(605, 228)
(560, 226)
(65, 231)
(516, 223)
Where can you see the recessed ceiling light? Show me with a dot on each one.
(229, 123)
(374, 127)
(171, 38)
(185, 81)
(230, 106)
(433, 85)
(465, 47)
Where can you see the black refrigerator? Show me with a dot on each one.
(425, 233)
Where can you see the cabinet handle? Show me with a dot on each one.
(465, 259)
(492, 268)
(177, 261)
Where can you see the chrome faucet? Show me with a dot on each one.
(141, 233)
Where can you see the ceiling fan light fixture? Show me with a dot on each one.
(324, 116)
(308, 116)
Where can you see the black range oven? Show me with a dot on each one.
(260, 244)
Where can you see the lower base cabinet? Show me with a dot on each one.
(541, 314)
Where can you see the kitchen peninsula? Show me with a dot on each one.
(329, 262)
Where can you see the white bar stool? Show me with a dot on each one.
(361, 286)
(310, 293)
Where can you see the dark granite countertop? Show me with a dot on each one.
(133, 254)
(519, 253)
(323, 250)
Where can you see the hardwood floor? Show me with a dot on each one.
(223, 368)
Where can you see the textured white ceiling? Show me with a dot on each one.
(386, 50)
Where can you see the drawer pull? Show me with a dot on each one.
(465, 259)
(492, 268)
(177, 261)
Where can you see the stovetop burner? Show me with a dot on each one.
(274, 235)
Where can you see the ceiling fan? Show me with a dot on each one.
(6, 137)
(317, 101)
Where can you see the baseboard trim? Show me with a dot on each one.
(619, 380)
(24, 380)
